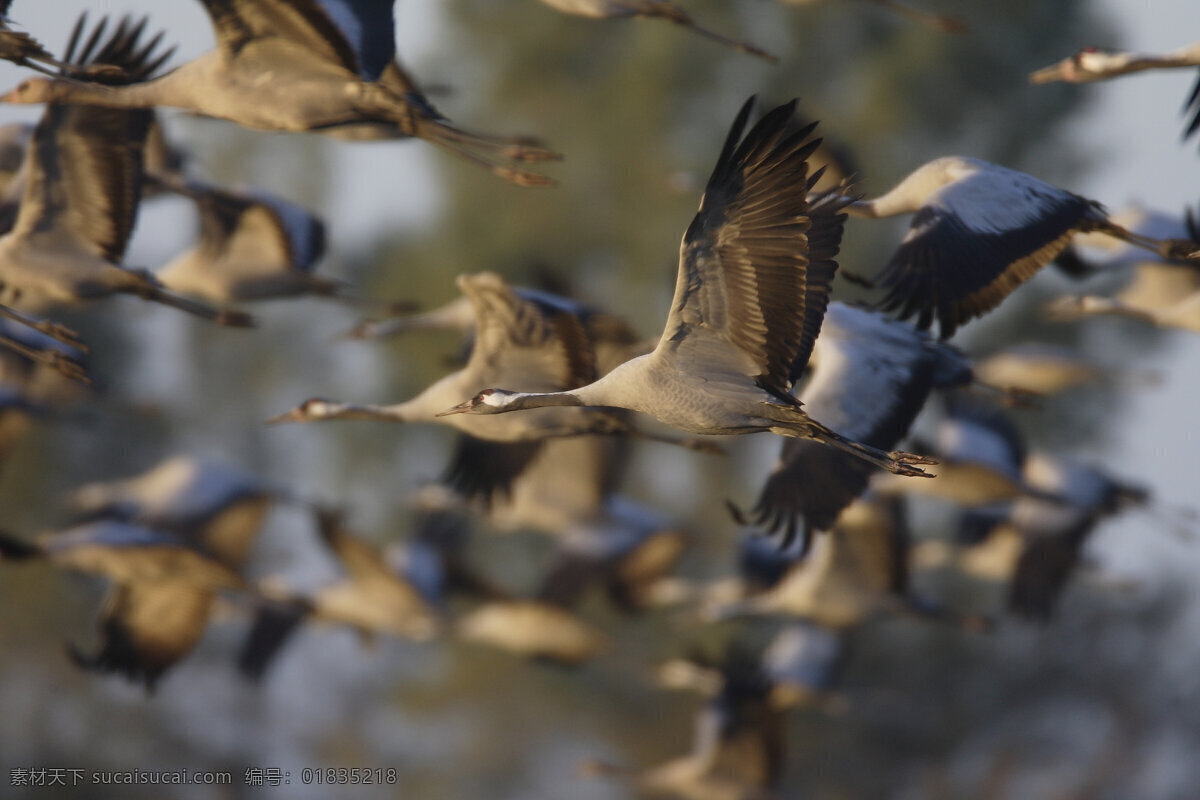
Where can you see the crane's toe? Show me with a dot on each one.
(903, 463)
(911, 458)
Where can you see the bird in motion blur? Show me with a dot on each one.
(752, 286)
(517, 338)
(82, 189)
(331, 68)
(872, 377)
(652, 9)
(940, 22)
(978, 232)
(1097, 64)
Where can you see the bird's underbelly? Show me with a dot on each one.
(705, 409)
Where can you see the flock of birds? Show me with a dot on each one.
(544, 400)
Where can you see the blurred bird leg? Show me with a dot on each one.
(52, 329)
(939, 22)
(55, 360)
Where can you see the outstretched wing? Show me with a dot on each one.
(481, 470)
(85, 162)
(524, 343)
(872, 378)
(146, 628)
(357, 34)
(976, 240)
(756, 263)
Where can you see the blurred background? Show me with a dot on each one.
(1101, 702)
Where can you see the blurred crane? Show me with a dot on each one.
(331, 66)
(979, 231)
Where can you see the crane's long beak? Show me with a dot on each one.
(1062, 71)
(290, 416)
(461, 408)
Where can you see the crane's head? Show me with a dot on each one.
(32, 90)
(315, 408)
(489, 401)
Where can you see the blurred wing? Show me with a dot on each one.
(84, 163)
(359, 35)
(872, 378)
(146, 628)
(1191, 109)
(1043, 570)
(85, 177)
(302, 233)
(480, 470)
(255, 235)
(274, 624)
(360, 559)
(522, 344)
(974, 241)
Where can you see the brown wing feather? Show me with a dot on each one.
(827, 219)
(146, 628)
(238, 22)
(86, 170)
(538, 345)
(87, 161)
(745, 261)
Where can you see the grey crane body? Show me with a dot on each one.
(252, 246)
(218, 507)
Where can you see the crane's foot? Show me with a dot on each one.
(68, 367)
(903, 463)
(522, 177)
(1180, 249)
(234, 319)
(702, 446)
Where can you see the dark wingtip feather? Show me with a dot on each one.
(274, 624)
(1192, 108)
(16, 549)
(126, 59)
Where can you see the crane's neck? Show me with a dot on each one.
(522, 400)
(136, 95)
(365, 411)
(911, 193)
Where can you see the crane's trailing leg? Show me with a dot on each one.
(1174, 249)
(936, 21)
(741, 47)
(896, 461)
(146, 286)
(52, 329)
